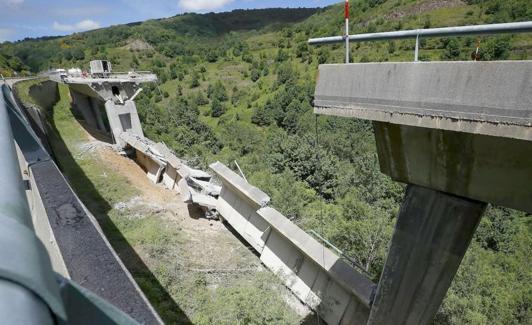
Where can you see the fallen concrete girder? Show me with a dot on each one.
(162, 166)
(315, 274)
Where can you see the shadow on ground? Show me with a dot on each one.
(160, 299)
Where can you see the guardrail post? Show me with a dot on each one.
(416, 51)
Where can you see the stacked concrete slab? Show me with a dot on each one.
(162, 166)
(316, 275)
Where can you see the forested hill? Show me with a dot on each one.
(185, 34)
(239, 86)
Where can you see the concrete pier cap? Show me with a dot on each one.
(106, 102)
(463, 128)
(460, 134)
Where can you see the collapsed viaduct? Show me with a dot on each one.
(458, 133)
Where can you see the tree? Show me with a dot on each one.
(194, 82)
(495, 49)
(451, 49)
(285, 73)
(255, 75)
(217, 91)
(217, 108)
(201, 99)
(78, 54)
(261, 117)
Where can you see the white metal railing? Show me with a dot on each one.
(506, 28)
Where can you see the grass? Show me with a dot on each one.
(23, 91)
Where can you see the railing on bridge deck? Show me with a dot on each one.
(490, 29)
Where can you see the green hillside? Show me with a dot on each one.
(239, 86)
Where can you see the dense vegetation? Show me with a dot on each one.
(239, 86)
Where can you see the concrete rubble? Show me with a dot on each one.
(162, 166)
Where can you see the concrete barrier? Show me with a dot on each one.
(317, 276)
(238, 204)
(76, 243)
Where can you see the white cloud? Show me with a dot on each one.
(11, 3)
(202, 5)
(86, 24)
(5, 34)
(80, 11)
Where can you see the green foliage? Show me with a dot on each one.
(285, 74)
(250, 301)
(257, 72)
(496, 49)
(262, 116)
(307, 162)
(194, 81)
(217, 108)
(255, 75)
(451, 48)
(217, 92)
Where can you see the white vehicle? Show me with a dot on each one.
(100, 68)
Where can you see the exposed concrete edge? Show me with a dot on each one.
(490, 98)
(248, 191)
(345, 275)
(184, 190)
(436, 122)
(143, 145)
(171, 159)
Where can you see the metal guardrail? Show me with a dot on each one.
(490, 29)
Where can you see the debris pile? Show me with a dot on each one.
(162, 166)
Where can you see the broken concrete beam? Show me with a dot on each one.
(336, 268)
(184, 190)
(202, 200)
(317, 276)
(196, 173)
(205, 187)
(189, 195)
(238, 204)
(247, 191)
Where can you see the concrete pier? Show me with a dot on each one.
(460, 133)
(432, 234)
(106, 103)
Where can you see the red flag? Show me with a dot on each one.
(346, 9)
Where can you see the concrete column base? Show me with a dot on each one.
(432, 234)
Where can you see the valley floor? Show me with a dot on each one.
(192, 270)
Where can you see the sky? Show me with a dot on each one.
(34, 18)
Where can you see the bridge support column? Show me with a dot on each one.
(97, 113)
(432, 234)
